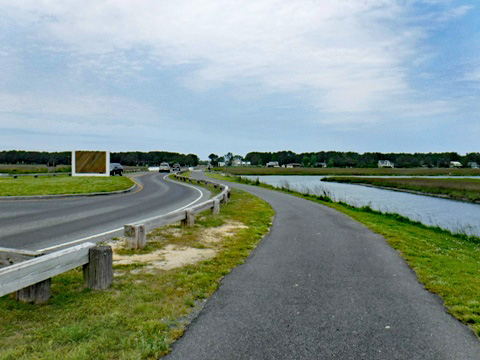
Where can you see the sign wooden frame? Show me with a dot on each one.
(90, 163)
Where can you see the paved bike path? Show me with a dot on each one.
(322, 286)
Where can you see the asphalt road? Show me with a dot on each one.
(322, 286)
(47, 223)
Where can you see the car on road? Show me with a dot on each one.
(116, 169)
(164, 167)
(176, 167)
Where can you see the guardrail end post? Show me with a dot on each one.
(189, 219)
(216, 207)
(136, 236)
(38, 293)
(98, 273)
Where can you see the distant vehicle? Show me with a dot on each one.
(116, 169)
(164, 167)
(176, 167)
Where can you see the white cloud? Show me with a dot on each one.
(77, 106)
(77, 116)
(346, 56)
(454, 13)
(473, 76)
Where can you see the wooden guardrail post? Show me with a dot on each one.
(98, 273)
(216, 207)
(38, 293)
(189, 219)
(136, 236)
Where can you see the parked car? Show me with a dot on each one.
(164, 167)
(116, 169)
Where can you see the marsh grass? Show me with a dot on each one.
(459, 189)
(448, 264)
(25, 186)
(146, 309)
(238, 170)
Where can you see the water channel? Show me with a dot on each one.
(448, 214)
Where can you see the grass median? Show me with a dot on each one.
(447, 264)
(156, 291)
(60, 185)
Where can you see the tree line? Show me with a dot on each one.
(130, 158)
(366, 160)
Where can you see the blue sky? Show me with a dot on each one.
(217, 76)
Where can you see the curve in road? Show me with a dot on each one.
(322, 286)
(49, 223)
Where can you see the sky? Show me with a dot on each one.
(208, 76)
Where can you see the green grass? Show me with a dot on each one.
(145, 310)
(33, 169)
(459, 189)
(27, 185)
(237, 170)
(447, 264)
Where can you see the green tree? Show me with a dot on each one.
(213, 159)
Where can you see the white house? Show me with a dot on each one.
(455, 164)
(238, 162)
(221, 164)
(473, 165)
(385, 163)
(272, 164)
(294, 165)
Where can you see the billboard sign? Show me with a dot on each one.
(90, 163)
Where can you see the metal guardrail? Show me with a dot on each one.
(31, 278)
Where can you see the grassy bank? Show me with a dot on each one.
(236, 170)
(29, 186)
(447, 264)
(460, 189)
(152, 298)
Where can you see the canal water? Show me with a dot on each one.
(459, 217)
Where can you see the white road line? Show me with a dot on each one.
(190, 186)
(114, 230)
(79, 240)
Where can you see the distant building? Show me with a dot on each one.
(238, 162)
(385, 163)
(455, 164)
(220, 163)
(272, 164)
(294, 165)
(321, 164)
(473, 165)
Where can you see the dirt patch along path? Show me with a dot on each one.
(173, 255)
